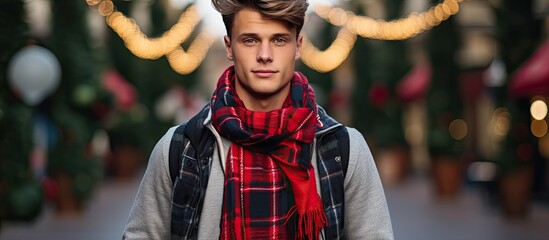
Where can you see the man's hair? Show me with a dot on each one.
(292, 12)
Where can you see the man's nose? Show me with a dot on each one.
(265, 54)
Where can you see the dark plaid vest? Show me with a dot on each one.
(190, 160)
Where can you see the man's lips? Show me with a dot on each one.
(264, 73)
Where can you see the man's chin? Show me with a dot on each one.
(262, 95)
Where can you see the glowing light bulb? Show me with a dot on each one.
(538, 110)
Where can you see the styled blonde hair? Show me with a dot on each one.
(292, 12)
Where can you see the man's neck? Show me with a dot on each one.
(259, 103)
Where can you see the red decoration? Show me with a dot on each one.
(339, 98)
(472, 84)
(414, 85)
(124, 92)
(379, 94)
(50, 188)
(525, 152)
(532, 77)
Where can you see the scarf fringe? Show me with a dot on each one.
(306, 225)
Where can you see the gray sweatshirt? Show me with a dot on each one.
(366, 212)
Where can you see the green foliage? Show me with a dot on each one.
(70, 42)
(14, 32)
(130, 128)
(24, 200)
(71, 106)
(443, 99)
(151, 78)
(379, 66)
(20, 195)
(16, 139)
(68, 155)
(519, 34)
(13, 37)
(519, 147)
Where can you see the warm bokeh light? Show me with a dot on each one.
(538, 110)
(501, 122)
(93, 2)
(337, 16)
(539, 128)
(458, 129)
(414, 134)
(106, 8)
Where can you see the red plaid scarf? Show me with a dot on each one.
(270, 189)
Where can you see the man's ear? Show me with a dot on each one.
(228, 49)
(299, 46)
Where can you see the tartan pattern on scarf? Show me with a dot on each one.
(270, 190)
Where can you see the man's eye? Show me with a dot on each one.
(249, 41)
(279, 41)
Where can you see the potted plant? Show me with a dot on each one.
(519, 32)
(377, 112)
(128, 142)
(515, 175)
(443, 107)
(73, 170)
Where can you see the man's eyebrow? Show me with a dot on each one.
(256, 35)
(248, 35)
(281, 35)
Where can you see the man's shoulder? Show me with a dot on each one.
(354, 134)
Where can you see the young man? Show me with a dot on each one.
(254, 162)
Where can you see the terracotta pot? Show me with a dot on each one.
(447, 175)
(393, 164)
(515, 191)
(65, 201)
(126, 161)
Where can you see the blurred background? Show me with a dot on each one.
(451, 97)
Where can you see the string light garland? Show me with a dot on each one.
(333, 56)
(186, 62)
(169, 44)
(142, 46)
(351, 24)
(399, 29)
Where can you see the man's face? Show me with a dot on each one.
(264, 53)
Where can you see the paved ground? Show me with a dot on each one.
(103, 219)
(416, 214)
